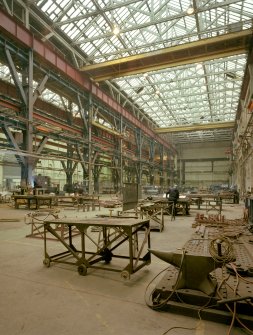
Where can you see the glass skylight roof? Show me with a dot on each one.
(190, 94)
(144, 26)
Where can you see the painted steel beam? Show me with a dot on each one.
(109, 130)
(12, 141)
(49, 122)
(15, 77)
(48, 56)
(39, 89)
(82, 112)
(9, 104)
(197, 127)
(194, 52)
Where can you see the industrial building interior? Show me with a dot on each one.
(106, 108)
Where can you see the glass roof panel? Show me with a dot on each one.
(189, 94)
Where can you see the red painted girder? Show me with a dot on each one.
(8, 104)
(23, 36)
(9, 90)
(57, 124)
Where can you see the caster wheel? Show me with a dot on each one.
(82, 270)
(46, 262)
(107, 255)
(108, 260)
(125, 274)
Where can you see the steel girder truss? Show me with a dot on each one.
(66, 127)
(194, 93)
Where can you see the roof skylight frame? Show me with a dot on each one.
(178, 29)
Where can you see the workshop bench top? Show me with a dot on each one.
(107, 222)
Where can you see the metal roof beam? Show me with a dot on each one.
(194, 52)
(197, 127)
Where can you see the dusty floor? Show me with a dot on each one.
(57, 300)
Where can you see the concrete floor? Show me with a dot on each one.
(57, 300)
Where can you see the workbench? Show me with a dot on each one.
(36, 218)
(182, 206)
(32, 201)
(79, 201)
(204, 198)
(229, 197)
(212, 201)
(115, 238)
(215, 205)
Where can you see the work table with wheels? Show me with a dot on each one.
(99, 242)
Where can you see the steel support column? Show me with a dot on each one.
(69, 168)
(161, 181)
(121, 170)
(41, 145)
(25, 89)
(90, 117)
(139, 142)
(151, 166)
(28, 78)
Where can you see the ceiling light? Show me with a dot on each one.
(190, 10)
(115, 30)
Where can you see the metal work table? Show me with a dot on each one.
(28, 200)
(77, 200)
(215, 205)
(229, 197)
(32, 201)
(154, 212)
(201, 198)
(182, 206)
(213, 201)
(111, 234)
